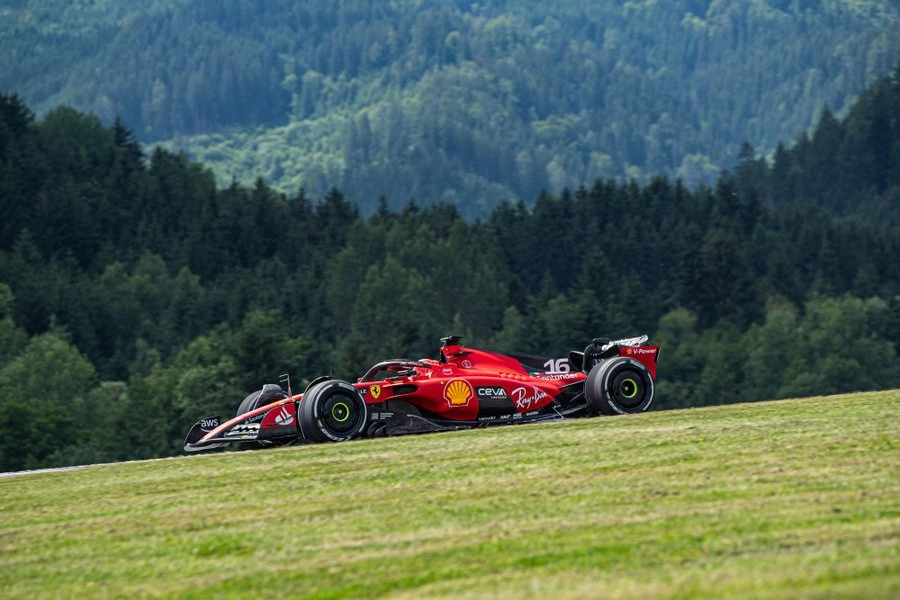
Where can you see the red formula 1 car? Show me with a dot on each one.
(465, 387)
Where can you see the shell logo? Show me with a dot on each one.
(629, 351)
(458, 392)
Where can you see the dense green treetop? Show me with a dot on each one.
(137, 295)
(470, 103)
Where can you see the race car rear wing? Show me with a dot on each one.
(602, 348)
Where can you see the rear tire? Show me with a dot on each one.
(619, 386)
(332, 411)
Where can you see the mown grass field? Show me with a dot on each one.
(787, 499)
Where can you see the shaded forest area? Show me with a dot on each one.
(137, 296)
(467, 103)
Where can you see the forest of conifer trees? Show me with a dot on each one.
(451, 101)
(137, 295)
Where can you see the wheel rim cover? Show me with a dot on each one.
(628, 390)
(340, 414)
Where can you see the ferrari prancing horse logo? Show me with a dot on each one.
(376, 391)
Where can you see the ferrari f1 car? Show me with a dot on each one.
(465, 387)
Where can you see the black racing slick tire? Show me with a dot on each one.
(269, 393)
(331, 411)
(619, 386)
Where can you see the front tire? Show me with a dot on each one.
(269, 393)
(619, 386)
(332, 411)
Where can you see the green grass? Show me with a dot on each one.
(785, 499)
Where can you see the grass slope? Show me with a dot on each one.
(781, 499)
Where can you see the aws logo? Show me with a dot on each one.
(458, 392)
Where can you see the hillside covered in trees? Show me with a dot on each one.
(136, 295)
(468, 103)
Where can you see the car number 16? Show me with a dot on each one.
(559, 365)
